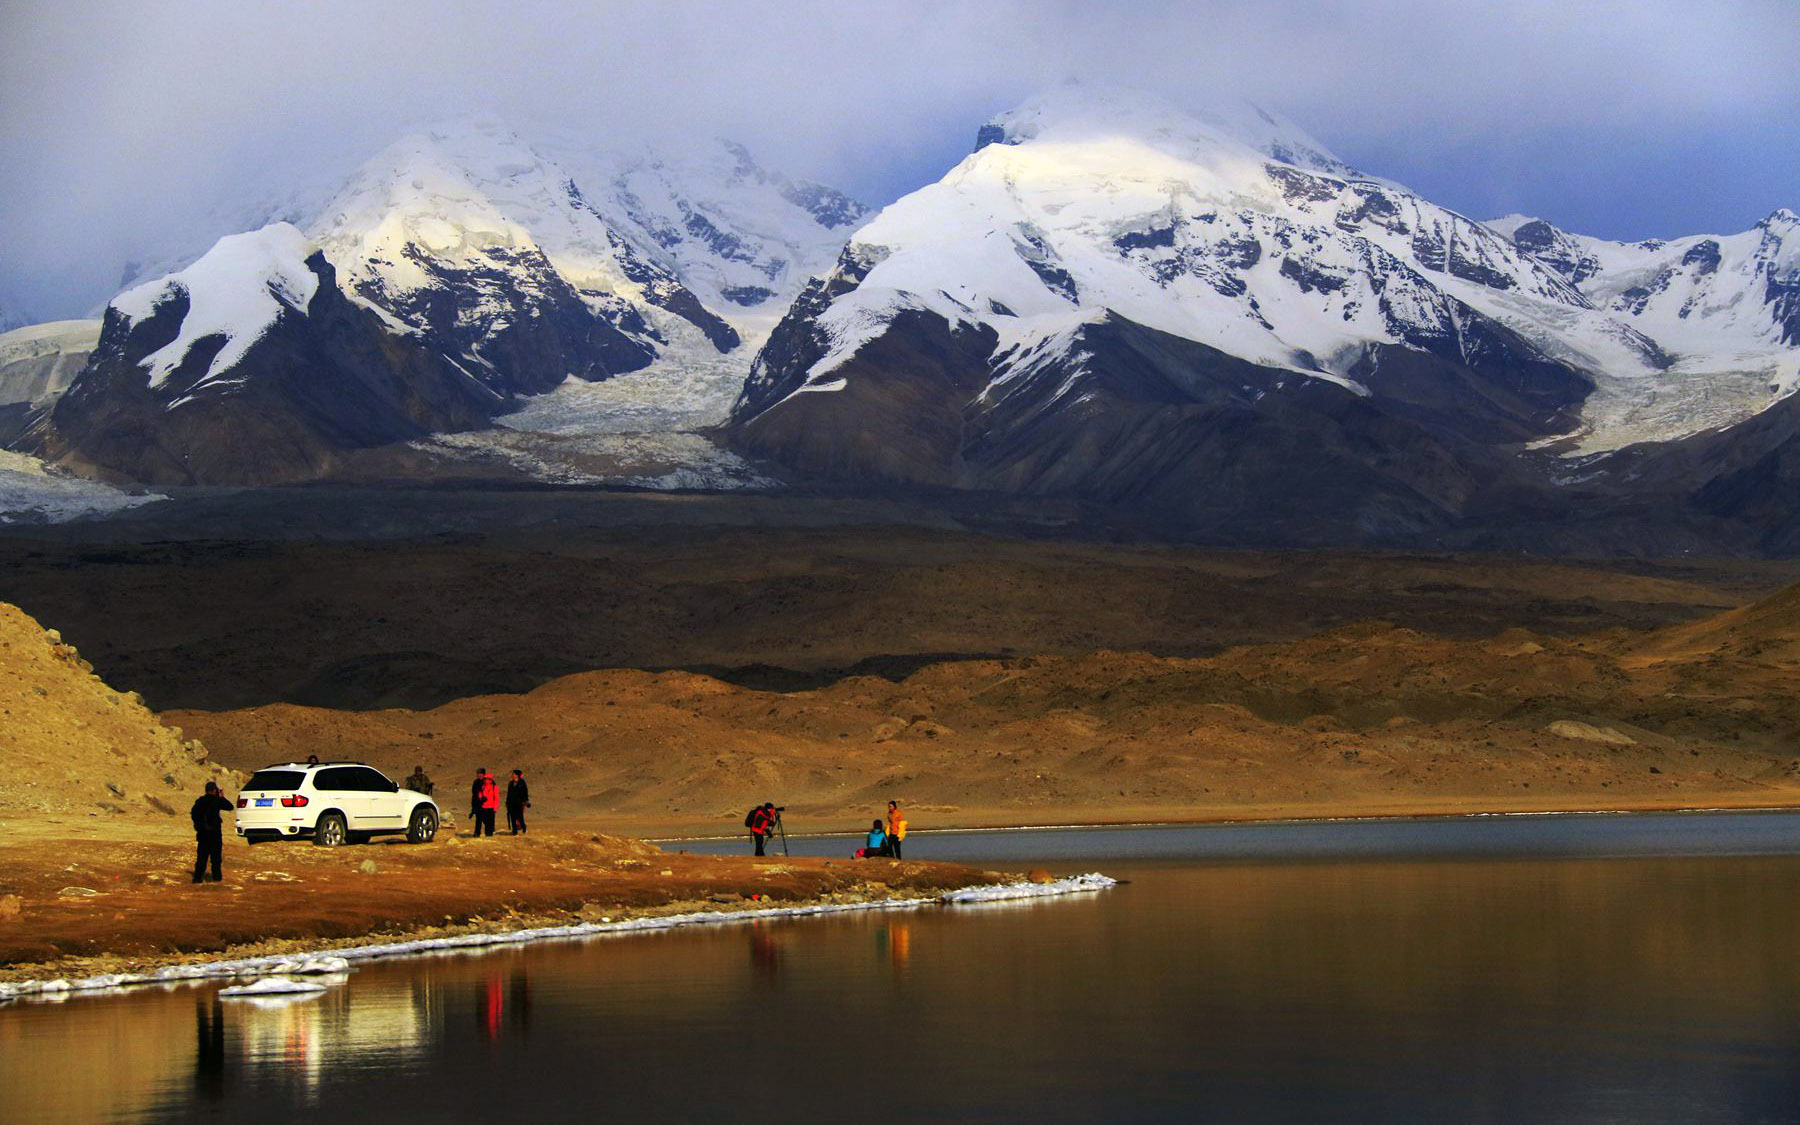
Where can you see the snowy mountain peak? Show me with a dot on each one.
(1724, 311)
(1075, 112)
(232, 295)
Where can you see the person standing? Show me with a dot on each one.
(209, 831)
(518, 799)
(484, 801)
(419, 782)
(896, 828)
(761, 823)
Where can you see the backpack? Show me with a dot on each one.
(750, 817)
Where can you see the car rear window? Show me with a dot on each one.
(274, 779)
(352, 779)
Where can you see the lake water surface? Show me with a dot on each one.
(1497, 969)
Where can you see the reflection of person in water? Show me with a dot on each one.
(765, 955)
(492, 1006)
(209, 1047)
(504, 1001)
(899, 944)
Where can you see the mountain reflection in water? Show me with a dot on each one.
(1517, 989)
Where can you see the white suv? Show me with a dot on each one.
(333, 802)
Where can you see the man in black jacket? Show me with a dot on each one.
(518, 799)
(209, 831)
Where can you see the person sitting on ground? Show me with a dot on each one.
(877, 842)
(419, 782)
(518, 799)
(896, 829)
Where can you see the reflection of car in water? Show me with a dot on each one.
(304, 1035)
(332, 803)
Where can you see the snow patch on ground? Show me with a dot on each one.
(664, 461)
(678, 393)
(272, 986)
(633, 431)
(258, 966)
(31, 492)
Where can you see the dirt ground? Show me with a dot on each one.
(83, 899)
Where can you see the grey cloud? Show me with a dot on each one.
(124, 119)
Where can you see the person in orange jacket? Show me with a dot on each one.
(484, 801)
(896, 829)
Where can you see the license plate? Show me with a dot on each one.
(265, 802)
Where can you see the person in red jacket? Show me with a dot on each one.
(484, 801)
(761, 823)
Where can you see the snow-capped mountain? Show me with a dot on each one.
(1103, 267)
(497, 258)
(250, 366)
(470, 247)
(1212, 318)
(743, 238)
(1723, 309)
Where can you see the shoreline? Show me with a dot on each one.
(1274, 815)
(333, 961)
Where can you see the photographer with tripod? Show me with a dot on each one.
(764, 821)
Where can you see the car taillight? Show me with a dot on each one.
(242, 802)
(295, 802)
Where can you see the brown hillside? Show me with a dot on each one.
(69, 744)
(1369, 717)
(1767, 631)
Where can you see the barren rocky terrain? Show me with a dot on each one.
(1358, 719)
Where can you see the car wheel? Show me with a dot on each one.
(332, 831)
(423, 826)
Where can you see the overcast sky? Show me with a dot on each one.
(132, 125)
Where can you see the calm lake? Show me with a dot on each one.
(1636, 968)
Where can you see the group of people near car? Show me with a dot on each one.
(884, 839)
(484, 801)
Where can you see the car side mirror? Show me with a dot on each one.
(393, 787)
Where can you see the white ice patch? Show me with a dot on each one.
(237, 290)
(661, 461)
(1074, 884)
(31, 492)
(271, 986)
(259, 966)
